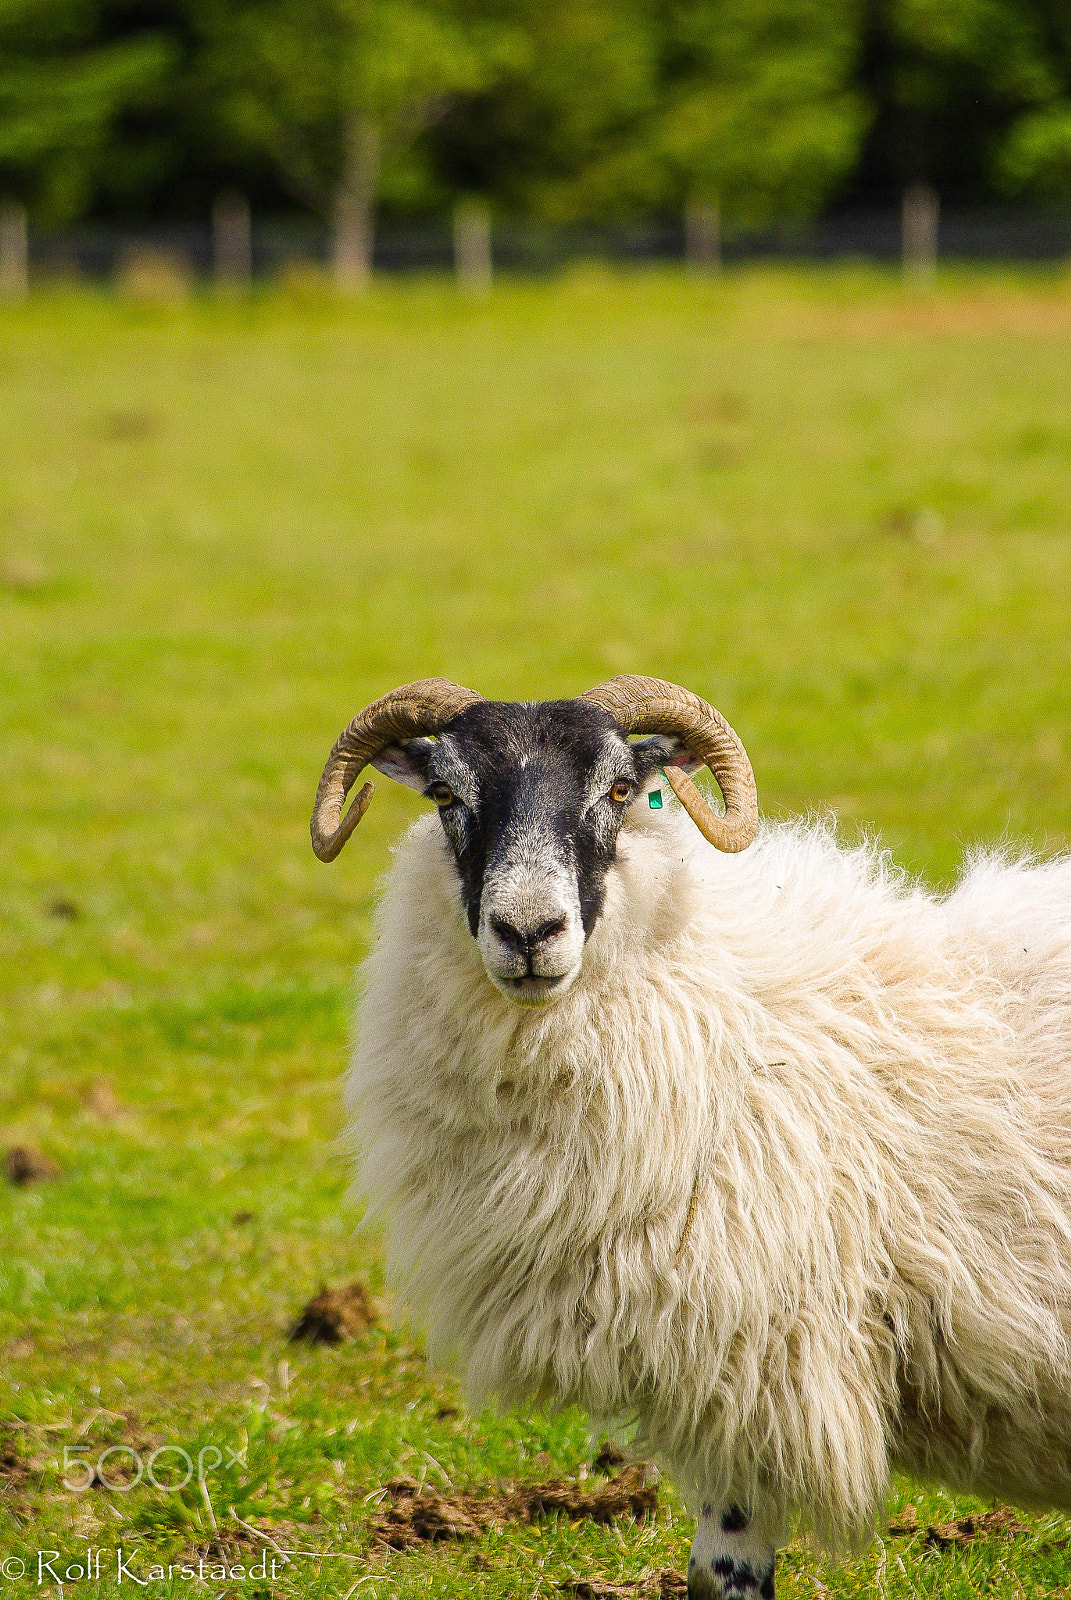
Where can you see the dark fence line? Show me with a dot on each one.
(981, 235)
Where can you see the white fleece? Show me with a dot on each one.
(866, 1088)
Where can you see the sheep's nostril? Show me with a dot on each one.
(509, 934)
(548, 930)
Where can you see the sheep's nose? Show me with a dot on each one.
(525, 939)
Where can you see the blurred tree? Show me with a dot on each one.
(64, 88)
(626, 105)
(757, 108)
(968, 93)
(334, 90)
(561, 108)
(1034, 158)
(558, 132)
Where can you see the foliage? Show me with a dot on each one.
(644, 104)
(957, 86)
(559, 133)
(757, 107)
(1036, 158)
(589, 108)
(64, 87)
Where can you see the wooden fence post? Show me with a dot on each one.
(232, 243)
(702, 236)
(472, 247)
(920, 223)
(14, 251)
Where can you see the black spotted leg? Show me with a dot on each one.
(728, 1561)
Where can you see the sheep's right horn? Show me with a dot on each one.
(406, 713)
(650, 705)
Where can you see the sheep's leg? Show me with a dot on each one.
(728, 1560)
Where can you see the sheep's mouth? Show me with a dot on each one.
(532, 989)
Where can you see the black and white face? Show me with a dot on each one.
(531, 799)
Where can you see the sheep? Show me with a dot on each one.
(761, 1148)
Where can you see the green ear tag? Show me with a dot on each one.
(654, 799)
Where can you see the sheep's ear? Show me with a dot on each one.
(663, 750)
(406, 762)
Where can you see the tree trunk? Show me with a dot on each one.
(355, 200)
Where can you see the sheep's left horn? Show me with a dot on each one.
(406, 713)
(650, 705)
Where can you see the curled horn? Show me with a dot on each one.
(650, 705)
(414, 709)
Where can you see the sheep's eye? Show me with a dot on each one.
(441, 794)
(620, 792)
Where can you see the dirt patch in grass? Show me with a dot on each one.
(20, 574)
(336, 1315)
(14, 1471)
(937, 317)
(1001, 1522)
(418, 1513)
(654, 1586)
(24, 1165)
(237, 1541)
(101, 1100)
(121, 426)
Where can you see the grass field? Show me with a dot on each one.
(842, 513)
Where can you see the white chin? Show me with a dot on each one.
(532, 991)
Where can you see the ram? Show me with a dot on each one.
(766, 1150)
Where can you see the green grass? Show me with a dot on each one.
(842, 513)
